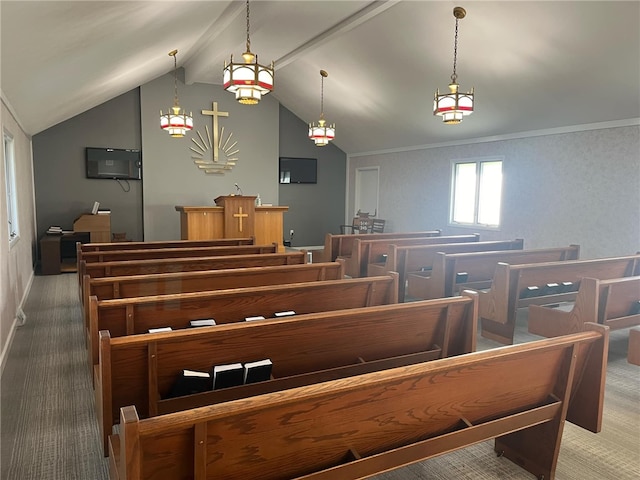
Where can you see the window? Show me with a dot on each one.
(10, 179)
(476, 192)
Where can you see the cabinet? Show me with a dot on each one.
(58, 252)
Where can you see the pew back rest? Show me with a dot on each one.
(608, 302)
(341, 245)
(108, 288)
(130, 316)
(616, 301)
(481, 266)
(177, 252)
(143, 368)
(166, 265)
(365, 249)
(447, 404)
(499, 304)
(95, 247)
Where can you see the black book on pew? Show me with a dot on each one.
(288, 313)
(230, 375)
(190, 382)
(462, 277)
(529, 292)
(251, 319)
(205, 322)
(258, 371)
(635, 308)
(551, 289)
(567, 287)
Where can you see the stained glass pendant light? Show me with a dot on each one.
(176, 121)
(322, 133)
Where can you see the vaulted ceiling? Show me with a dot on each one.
(534, 65)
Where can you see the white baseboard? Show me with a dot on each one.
(14, 325)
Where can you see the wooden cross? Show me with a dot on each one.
(215, 113)
(240, 216)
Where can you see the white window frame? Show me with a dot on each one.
(11, 187)
(478, 163)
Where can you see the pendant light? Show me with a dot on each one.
(176, 121)
(454, 105)
(322, 133)
(249, 80)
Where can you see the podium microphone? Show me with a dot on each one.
(238, 189)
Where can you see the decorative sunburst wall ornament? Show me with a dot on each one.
(224, 151)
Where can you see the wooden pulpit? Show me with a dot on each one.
(239, 215)
(227, 220)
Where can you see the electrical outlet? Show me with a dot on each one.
(291, 232)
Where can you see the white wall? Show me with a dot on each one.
(170, 176)
(581, 187)
(16, 262)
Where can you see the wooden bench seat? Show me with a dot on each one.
(633, 354)
(508, 292)
(130, 316)
(140, 370)
(453, 272)
(109, 288)
(366, 251)
(341, 245)
(360, 426)
(406, 259)
(611, 302)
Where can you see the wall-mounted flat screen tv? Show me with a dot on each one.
(114, 163)
(298, 170)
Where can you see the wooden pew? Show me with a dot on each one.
(341, 245)
(419, 258)
(81, 248)
(219, 242)
(357, 427)
(499, 304)
(108, 288)
(452, 273)
(188, 264)
(129, 316)
(366, 251)
(140, 370)
(607, 302)
(176, 252)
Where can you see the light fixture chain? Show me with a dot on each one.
(454, 76)
(175, 81)
(321, 96)
(248, 41)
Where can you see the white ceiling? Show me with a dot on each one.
(534, 65)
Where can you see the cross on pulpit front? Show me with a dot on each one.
(239, 215)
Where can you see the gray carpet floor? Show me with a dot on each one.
(49, 431)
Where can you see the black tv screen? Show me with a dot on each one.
(298, 170)
(113, 163)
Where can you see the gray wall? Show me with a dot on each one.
(170, 176)
(580, 187)
(62, 190)
(314, 209)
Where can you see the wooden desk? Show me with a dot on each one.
(57, 252)
(206, 223)
(98, 226)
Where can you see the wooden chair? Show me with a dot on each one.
(377, 225)
(362, 223)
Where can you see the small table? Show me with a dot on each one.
(58, 252)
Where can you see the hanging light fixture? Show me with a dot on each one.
(176, 122)
(322, 133)
(454, 105)
(248, 80)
